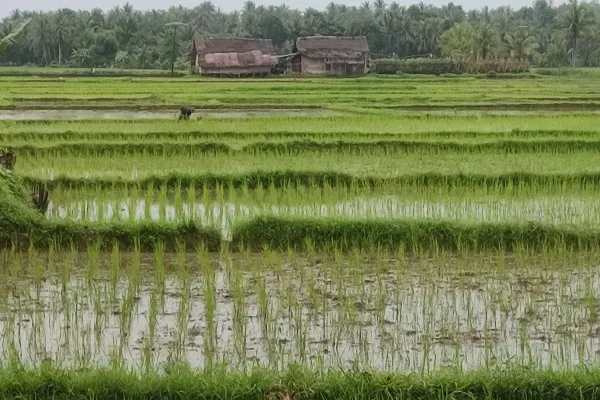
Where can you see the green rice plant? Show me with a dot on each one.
(183, 312)
(495, 181)
(162, 202)
(115, 266)
(210, 307)
(191, 201)
(383, 233)
(39, 269)
(282, 233)
(160, 272)
(148, 199)
(93, 255)
(132, 195)
(235, 278)
(149, 343)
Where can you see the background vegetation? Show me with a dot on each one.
(128, 38)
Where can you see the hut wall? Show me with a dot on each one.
(312, 65)
(318, 66)
(296, 64)
(235, 71)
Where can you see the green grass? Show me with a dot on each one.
(9, 72)
(299, 383)
(415, 235)
(367, 91)
(311, 178)
(239, 138)
(382, 165)
(16, 209)
(293, 148)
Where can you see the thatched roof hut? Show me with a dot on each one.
(234, 56)
(335, 55)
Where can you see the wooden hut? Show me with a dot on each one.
(234, 56)
(331, 55)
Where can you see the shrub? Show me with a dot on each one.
(438, 66)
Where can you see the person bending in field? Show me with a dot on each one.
(185, 112)
(7, 159)
(40, 197)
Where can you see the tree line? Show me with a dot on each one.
(126, 38)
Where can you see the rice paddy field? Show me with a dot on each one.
(411, 238)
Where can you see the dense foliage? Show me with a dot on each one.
(127, 38)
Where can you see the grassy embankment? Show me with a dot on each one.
(301, 384)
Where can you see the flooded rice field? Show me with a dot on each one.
(495, 112)
(71, 114)
(560, 210)
(390, 313)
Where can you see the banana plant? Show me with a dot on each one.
(10, 38)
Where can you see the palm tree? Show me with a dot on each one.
(62, 30)
(205, 15)
(127, 26)
(379, 7)
(556, 54)
(39, 37)
(576, 19)
(174, 50)
(10, 37)
(188, 34)
(459, 41)
(521, 45)
(85, 27)
(484, 40)
(427, 35)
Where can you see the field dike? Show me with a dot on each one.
(161, 135)
(308, 146)
(298, 383)
(21, 225)
(413, 235)
(290, 178)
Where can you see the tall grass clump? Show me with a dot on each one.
(17, 215)
(337, 233)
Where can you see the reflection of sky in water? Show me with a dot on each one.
(400, 320)
(565, 211)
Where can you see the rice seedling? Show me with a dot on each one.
(351, 224)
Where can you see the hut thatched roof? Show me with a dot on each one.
(234, 52)
(339, 47)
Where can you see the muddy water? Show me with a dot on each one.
(560, 210)
(393, 315)
(155, 114)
